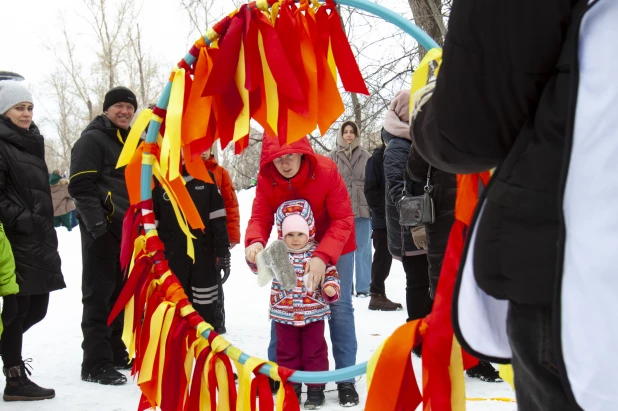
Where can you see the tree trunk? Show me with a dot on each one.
(427, 16)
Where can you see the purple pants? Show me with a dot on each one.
(302, 348)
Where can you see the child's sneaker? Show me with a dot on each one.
(315, 398)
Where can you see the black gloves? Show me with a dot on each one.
(224, 264)
(9, 309)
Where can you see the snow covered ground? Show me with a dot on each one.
(54, 344)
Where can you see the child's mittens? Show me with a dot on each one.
(330, 293)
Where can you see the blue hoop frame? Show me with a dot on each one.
(146, 175)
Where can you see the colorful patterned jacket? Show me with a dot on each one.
(298, 306)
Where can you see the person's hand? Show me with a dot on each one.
(316, 268)
(232, 245)
(419, 237)
(224, 264)
(9, 309)
(252, 250)
(330, 291)
(99, 229)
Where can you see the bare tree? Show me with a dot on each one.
(145, 75)
(77, 89)
(428, 16)
(199, 13)
(66, 124)
(109, 31)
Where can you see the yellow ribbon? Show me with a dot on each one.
(170, 149)
(506, 373)
(241, 125)
(270, 88)
(156, 324)
(274, 12)
(132, 141)
(373, 362)
(455, 369)
(421, 74)
(244, 382)
(167, 323)
(182, 222)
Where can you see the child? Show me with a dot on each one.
(199, 279)
(299, 313)
(228, 192)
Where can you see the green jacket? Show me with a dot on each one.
(8, 284)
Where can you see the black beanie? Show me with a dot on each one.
(119, 95)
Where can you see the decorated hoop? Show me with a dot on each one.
(380, 11)
(257, 77)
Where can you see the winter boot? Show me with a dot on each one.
(274, 385)
(348, 397)
(20, 388)
(315, 398)
(379, 302)
(105, 374)
(298, 390)
(274, 262)
(484, 371)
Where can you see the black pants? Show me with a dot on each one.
(199, 279)
(538, 385)
(382, 261)
(102, 281)
(220, 310)
(418, 301)
(31, 309)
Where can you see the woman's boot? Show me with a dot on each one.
(20, 388)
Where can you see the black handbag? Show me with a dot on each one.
(417, 210)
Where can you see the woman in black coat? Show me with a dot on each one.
(443, 194)
(396, 135)
(27, 213)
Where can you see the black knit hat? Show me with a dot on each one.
(119, 95)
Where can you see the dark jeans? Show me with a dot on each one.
(382, 261)
(538, 385)
(302, 348)
(102, 281)
(31, 310)
(418, 301)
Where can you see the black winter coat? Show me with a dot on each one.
(209, 204)
(26, 209)
(98, 188)
(375, 188)
(443, 194)
(480, 118)
(395, 157)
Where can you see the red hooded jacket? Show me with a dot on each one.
(318, 181)
(228, 192)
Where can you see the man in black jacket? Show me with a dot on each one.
(101, 198)
(375, 190)
(529, 88)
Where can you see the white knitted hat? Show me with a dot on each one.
(12, 93)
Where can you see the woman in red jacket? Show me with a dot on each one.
(295, 171)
